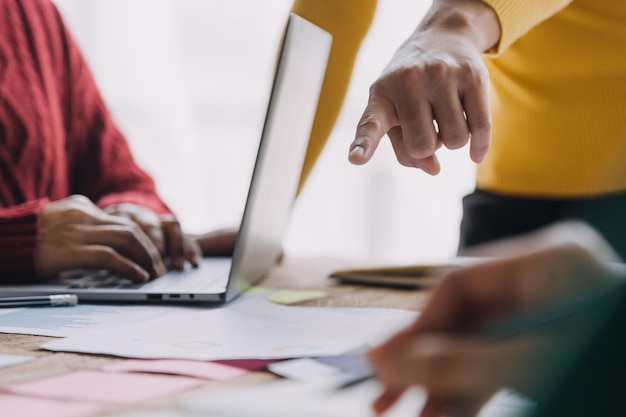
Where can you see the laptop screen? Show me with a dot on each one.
(291, 110)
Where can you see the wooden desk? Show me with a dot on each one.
(292, 273)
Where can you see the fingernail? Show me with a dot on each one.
(357, 151)
(160, 268)
(143, 274)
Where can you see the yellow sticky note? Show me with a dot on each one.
(258, 290)
(295, 296)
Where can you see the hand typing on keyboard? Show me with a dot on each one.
(74, 233)
(129, 241)
(165, 233)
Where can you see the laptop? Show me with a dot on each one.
(284, 140)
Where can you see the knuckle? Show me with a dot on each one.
(455, 139)
(474, 72)
(481, 125)
(369, 121)
(78, 199)
(411, 78)
(105, 255)
(74, 213)
(127, 237)
(437, 69)
(136, 229)
(404, 159)
(128, 234)
(420, 149)
(410, 74)
(400, 80)
(376, 87)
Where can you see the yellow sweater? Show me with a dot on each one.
(348, 21)
(558, 99)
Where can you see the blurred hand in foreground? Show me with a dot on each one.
(165, 232)
(444, 352)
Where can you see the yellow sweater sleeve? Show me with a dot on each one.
(557, 99)
(348, 21)
(517, 17)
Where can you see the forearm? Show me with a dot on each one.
(472, 19)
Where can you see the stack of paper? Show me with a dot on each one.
(251, 328)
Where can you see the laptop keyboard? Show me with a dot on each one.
(81, 279)
(212, 271)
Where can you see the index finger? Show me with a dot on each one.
(150, 228)
(129, 242)
(387, 399)
(379, 116)
(98, 256)
(145, 242)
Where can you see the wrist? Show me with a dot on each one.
(19, 238)
(474, 20)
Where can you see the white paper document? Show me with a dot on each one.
(11, 360)
(70, 321)
(251, 328)
(288, 398)
(304, 370)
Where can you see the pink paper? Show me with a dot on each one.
(106, 387)
(206, 370)
(248, 364)
(18, 406)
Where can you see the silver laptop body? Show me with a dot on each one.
(290, 113)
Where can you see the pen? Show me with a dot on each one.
(355, 379)
(565, 314)
(59, 300)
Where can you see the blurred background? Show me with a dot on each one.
(188, 82)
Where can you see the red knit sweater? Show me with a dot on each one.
(56, 136)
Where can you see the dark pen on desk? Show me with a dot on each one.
(355, 380)
(55, 300)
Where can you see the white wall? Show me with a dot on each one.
(188, 81)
